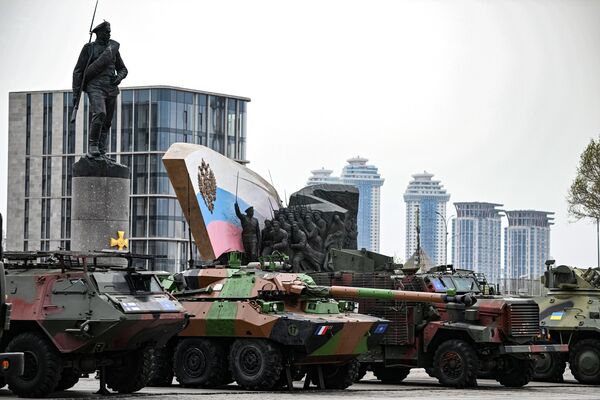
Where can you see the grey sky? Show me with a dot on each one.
(496, 98)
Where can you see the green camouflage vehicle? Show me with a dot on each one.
(570, 313)
(71, 316)
(454, 343)
(10, 363)
(264, 328)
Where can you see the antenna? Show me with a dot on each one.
(418, 257)
(191, 259)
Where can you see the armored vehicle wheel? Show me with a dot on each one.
(340, 376)
(201, 363)
(68, 379)
(255, 363)
(584, 361)
(455, 364)
(514, 372)
(132, 373)
(162, 366)
(42, 366)
(362, 371)
(390, 374)
(549, 367)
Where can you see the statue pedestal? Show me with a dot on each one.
(100, 205)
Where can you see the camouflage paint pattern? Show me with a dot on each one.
(60, 301)
(231, 306)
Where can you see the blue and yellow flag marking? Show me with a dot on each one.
(556, 316)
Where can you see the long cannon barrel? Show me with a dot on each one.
(350, 292)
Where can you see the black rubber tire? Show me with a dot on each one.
(201, 363)
(68, 379)
(43, 366)
(549, 368)
(2, 382)
(584, 361)
(340, 376)
(132, 373)
(162, 367)
(390, 374)
(362, 371)
(515, 372)
(455, 364)
(255, 363)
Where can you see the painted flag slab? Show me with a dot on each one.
(206, 183)
(556, 316)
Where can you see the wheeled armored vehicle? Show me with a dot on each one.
(570, 314)
(72, 316)
(452, 342)
(264, 328)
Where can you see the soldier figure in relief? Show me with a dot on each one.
(250, 233)
(98, 72)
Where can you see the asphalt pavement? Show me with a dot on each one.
(417, 385)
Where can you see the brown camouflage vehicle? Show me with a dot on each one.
(452, 342)
(264, 329)
(570, 313)
(71, 316)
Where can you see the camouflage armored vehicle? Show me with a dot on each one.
(570, 313)
(71, 316)
(264, 329)
(10, 363)
(451, 341)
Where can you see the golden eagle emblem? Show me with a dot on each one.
(208, 185)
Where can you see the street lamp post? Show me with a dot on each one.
(445, 235)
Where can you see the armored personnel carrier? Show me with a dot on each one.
(72, 316)
(264, 328)
(451, 341)
(570, 313)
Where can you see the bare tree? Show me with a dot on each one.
(584, 194)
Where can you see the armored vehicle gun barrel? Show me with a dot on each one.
(398, 295)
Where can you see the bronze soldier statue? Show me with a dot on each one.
(98, 72)
(266, 239)
(250, 233)
(298, 244)
(280, 238)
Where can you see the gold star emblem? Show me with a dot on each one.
(120, 241)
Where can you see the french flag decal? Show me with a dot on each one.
(323, 330)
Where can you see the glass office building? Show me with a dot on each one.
(476, 238)
(43, 147)
(526, 243)
(427, 198)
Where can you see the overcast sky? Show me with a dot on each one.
(496, 98)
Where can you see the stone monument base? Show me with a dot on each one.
(100, 205)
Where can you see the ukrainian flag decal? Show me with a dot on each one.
(556, 316)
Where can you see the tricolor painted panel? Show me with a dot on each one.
(206, 183)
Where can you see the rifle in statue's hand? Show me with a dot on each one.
(77, 96)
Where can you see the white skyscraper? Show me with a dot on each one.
(368, 181)
(526, 243)
(476, 238)
(430, 198)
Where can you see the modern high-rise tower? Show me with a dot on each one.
(430, 197)
(476, 238)
(526, 243)
(368, 181)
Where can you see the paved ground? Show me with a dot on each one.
(417, 385)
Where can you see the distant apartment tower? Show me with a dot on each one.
(526, 243)
(43, 147)
(320, 176)
(476, 238)
(430, 198)
(368, 181)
